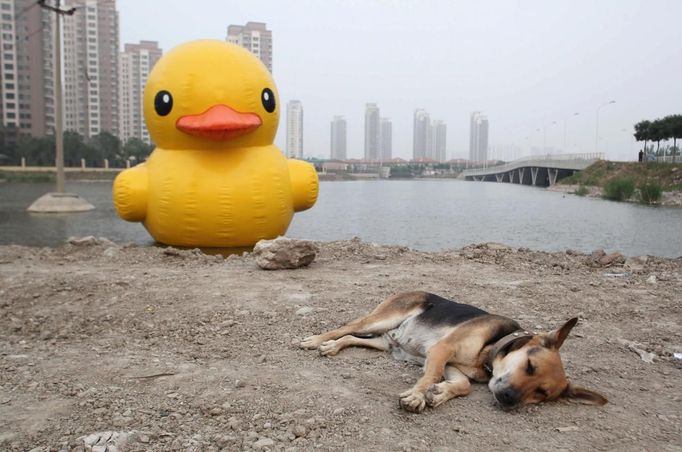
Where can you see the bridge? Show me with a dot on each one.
(538, 170)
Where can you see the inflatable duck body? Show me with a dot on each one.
(215, 178)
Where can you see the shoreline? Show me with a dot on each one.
(668, 198)
(182, 350)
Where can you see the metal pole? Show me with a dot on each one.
(596, 129)
(58, 120)
(59, 126)
(565, 125)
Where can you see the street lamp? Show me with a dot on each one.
(544, 136)
(565, 124)
(596, 132)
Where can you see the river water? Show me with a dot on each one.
(422, 214)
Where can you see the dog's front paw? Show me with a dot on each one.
(436, 395)
(413, 401)
(329, 348)
(311, 342)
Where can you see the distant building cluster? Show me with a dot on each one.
(102, 86)
(478, 137)
(378, 135)
(429, 137)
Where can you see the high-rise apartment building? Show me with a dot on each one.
(26, 68)
(386, 140)
(478, 137)
(9, 102)
(372, 132)
(135, 63)
(91, 51)
(438, 140)
(255, 37)
(295, 129)
(421, 137)
(338, 138)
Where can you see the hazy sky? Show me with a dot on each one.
(526, 64)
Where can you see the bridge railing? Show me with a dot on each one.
(590, 156)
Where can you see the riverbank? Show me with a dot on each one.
(41, 174)
(668, 198)
(592, 180)
(183, 350)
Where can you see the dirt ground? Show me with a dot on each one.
(177, 350)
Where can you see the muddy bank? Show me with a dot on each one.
(184, 351)
(668, 198)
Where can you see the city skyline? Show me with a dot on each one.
(528, 64)
(528, 102)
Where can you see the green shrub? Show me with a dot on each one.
(582, 191)
(619, 189)
(650, 193)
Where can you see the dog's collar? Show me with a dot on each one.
(502, 344)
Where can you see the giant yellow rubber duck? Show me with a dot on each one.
(215, 178)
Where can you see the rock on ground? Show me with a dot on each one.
(284, 253)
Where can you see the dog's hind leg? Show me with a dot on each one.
(332, 347)
(456, 384)
(388, 315)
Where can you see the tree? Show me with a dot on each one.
(105, 146)
(674, 128)
(642, 132)
(136, 149)
(36, 151)
(76, 149)
(657, 132)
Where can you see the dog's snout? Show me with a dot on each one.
(507, 396)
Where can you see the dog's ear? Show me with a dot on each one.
(556, 338)
(582, 395)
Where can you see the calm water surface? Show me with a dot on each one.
(426, 215)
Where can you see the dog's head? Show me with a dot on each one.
(529, 370)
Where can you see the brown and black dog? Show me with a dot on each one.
(456, 343)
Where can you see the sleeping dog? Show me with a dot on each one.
(457, 343)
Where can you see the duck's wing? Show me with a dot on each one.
(304, 184)
(130, 193)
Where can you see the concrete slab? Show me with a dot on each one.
(60, 203)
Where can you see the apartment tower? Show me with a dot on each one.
(295, 129)
(438, 140)
(372, 132)
(26, 68)
(255, 37)
(338, 138)
(91, 52)
(135, 63)
(421, 134)
(478, 137)
(386, 140)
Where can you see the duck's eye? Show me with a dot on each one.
(268, 99)
(530, 368)
(163, 103)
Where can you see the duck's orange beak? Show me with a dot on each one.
(219, 122)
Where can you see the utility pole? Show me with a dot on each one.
(59, 201)
(59, 120)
